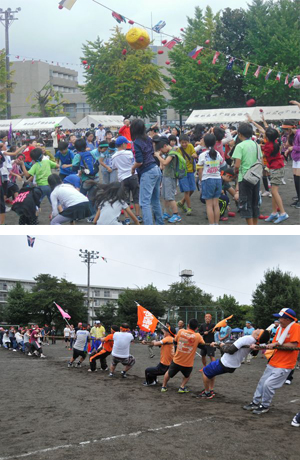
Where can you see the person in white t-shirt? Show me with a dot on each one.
(210, 162)
(234, 353)
(80, 346)
(67, 332)
(121, 350)
(100, 133)
(55, 138)
(123, 160)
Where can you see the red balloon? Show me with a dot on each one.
(130, 22)
(261, 110)
(199, 62)
(173, 80)
(60, 7)
(84, 62)
(124, 52)
(182, 29)
(164, 42)
(160, 52)
(168, 62)
(251, 102)
(141, 107)
(207, 42)
(231, 214)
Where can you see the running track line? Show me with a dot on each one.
(110, 438)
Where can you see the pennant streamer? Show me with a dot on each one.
(68, 4)
(258, 71)
(230, 63)
(118, 17)
(247, 65)
(268, 74)
(30, 241)
(172, 43)
(278, 76)
(160, 25)
(217, 54)
(222, 323)
(195, 53)
(286, 81)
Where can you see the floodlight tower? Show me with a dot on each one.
(7, 18)
(89, 257)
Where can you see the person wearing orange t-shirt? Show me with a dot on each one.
(281, 362)
(166, 356)
(103, 351)
(187, 343)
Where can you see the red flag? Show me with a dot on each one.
(217, 54)
(172, 43)
(146, 321)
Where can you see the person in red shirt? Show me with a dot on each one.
(28, 161)
(103, 351)
(125, 131)
(275, 162)
(187, 343)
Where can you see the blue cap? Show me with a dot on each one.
(287, 313)
(122, 140)
(73, 179)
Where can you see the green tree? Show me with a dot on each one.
(108, 314)
(149, 297)
(49, 289)
(229, 305)
(121, 84)
(16, 311)
(47, 102)
(277, 290)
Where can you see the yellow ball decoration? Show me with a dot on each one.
(138, 38)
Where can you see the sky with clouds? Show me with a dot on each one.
(47, 33)
(221, 264)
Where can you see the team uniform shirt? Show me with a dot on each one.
(187, 343)
(248, 152)
(97, 332)
(42, 170)
(65, 160)
(211, 168)
(167, 351)
(234, 361)
(224, 331)
(248, 331)
(66, 195)
(108, 343)
(287, 359)
(109, 213)
(81, 340)
(123, 160)
(122, 341)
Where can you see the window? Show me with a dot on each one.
(3, 296)
(3, 286)
(97, 293)
(107, 293)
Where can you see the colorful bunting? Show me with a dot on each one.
(247, 65)
(67, 4)
(160, 25)
(170, 44)
(286, 81)
(258, 71)
(118, 17)
(278, 76)
(196, 51)
(104, 259)
(217, 54)
(268, 74)
(230, 63)
(30, 241)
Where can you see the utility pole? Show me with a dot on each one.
(7, 18)
(89, 257)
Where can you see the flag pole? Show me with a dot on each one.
(64, 317)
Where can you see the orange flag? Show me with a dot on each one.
(222, 323)
(146, 321)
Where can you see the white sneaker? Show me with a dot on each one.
(29, 354)
(14, 349)
(90, 370)
(265, 194)
(288, 382)
(42, 356)
(7, 208)
(294, 422)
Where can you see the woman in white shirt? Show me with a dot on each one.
(68, 204)
(210, 163)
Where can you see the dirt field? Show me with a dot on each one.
(198, 216)
(51, 412)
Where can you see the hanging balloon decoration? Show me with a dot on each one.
(138, 38)
(250, 102)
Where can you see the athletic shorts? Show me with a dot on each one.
(249, 200)
(276, 176)
(67, 339)
(124, 361)
(131, 184)
(168, 188)
(77, 353)
(175, 368)
(208, 351)
(187, 183)
(211, 188)
(216, 368)
(296, 164)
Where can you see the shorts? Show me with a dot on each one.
(67, 339)
(249, 200)
(211, 188)
(276, 176)
(168, 188)
(296, 164)
(131, 184)
(208, 351)
(77, 353)
(188, 183)
(130, 361)
(175, 368)
(216, 368)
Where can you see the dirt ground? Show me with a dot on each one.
(198, 216)
(50, 412)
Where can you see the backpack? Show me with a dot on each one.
(180, 166)
(254, 174)
(88, 165)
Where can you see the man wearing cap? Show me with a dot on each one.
(97, 332)
(122, 161)
(100, 133)
(166, 356)
(280, 364)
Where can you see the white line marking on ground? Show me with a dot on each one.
(295, 400)
(110, 438)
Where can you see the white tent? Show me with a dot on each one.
(112, 121)
(28, 124)
(5, 124)
(288, 112)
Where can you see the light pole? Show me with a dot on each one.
(7, 18)
(89, 257)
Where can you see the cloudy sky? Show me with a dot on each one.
(221, 264)
(47, 33)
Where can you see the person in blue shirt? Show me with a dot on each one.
(109, 174)
(248, 329)
(90, 144)
(274, 329)
(225, 333)
(65, 158)
(72, 141)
